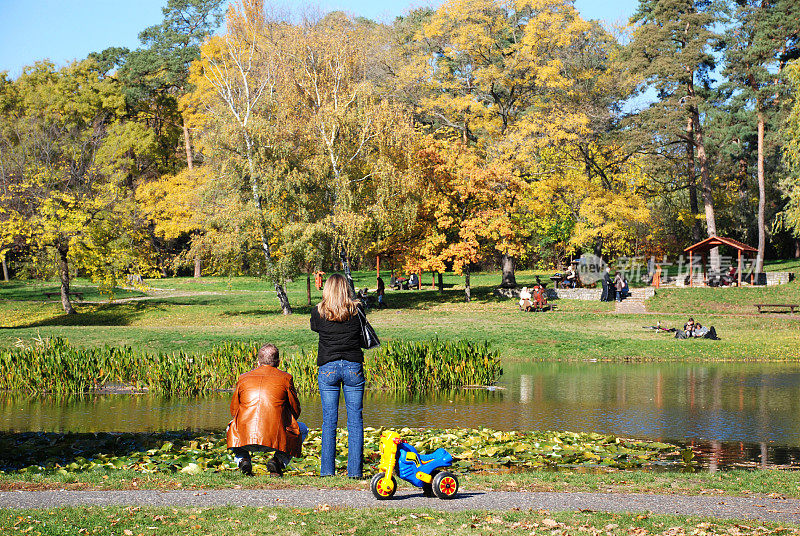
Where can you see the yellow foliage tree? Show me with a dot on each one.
(462, 217)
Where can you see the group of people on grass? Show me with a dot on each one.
(692, 329)
(265, 406)
(533, 299)
(614, 288)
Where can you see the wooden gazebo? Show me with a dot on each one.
(704, 246)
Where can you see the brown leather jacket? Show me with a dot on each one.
(265, 410)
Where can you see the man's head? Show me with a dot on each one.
(268, 355)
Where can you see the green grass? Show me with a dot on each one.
(335, 520)
(725, 300)
(789, 265)
(741, 483)
(575, 330)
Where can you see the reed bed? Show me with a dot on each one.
(54, 366)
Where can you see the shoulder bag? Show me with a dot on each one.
(369, 339)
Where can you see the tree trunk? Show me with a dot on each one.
(308, 288)
(509, 279)
(440, 281)
(63, 272)
(197, 267)
(797, 248)
(286, 307)
(690, 179)
(346, 269)
(5, 267)
(762, 233)
(467, 290)
(187, 141)
(244, 265)
(708, 197)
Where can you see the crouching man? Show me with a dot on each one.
(265, 410)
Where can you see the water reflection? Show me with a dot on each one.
(718, 408)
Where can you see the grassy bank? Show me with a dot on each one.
(725, 300)
(331, 519)
(243, 309)
(743, 483)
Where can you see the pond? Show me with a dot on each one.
(732, 414)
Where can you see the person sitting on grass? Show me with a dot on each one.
(701, 331)
(525, 300)
(695, 329)
(265, 408)
(688, 327)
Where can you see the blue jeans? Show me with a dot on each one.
(243, 453)
(350, 376)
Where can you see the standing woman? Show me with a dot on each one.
(341, 365)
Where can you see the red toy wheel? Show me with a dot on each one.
(445, 485)
(380, 489)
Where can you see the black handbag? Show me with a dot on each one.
(369, 339)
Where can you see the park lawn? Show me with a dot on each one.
(788, 265)
(335, 520)
(576, 330)
(734, 482)
(724, 300)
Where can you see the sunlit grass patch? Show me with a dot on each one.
(328, 518)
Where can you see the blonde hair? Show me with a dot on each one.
(337, 302)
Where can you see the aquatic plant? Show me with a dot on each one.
(198, 452)
(54, 366)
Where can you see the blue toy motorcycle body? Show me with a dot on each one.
(422, 470)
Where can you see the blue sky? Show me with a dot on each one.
(65, 30)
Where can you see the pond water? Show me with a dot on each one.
(730, 413)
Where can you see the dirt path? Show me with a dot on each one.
(720, 507)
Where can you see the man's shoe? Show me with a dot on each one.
(274, 468)
(246, 467)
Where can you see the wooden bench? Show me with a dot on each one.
(78, 295)
(789, 306)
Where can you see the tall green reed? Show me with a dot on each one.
(53, 366)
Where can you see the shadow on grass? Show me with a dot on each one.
(111, 314)
(423, 299)
(395, 299)
(38, 291)
(23, 449)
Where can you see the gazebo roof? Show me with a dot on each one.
(714, 241)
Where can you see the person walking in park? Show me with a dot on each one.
(619, 284)
(341, 366)
(381, 292)
(265, 409)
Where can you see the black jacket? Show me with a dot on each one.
(337, 340)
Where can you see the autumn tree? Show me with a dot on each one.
(68, 159)
(237, 81)
(358, 137)
(790, 184)
(497, 73)
(671, 50)
(462, 219)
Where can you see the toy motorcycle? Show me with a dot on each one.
(424, 471)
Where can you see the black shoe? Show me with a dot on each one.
(246, 467)
(274, 468)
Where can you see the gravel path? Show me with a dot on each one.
(721, 507)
